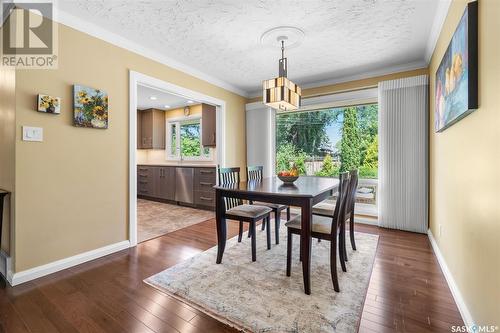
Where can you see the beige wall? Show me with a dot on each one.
(72, 189)
(465, 175)
(353, 85)
(7, 147)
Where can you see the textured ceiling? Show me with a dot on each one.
(163, 100)
(222, 38)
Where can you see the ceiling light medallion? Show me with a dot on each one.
(280, 93)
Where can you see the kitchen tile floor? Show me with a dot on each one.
(156, 219)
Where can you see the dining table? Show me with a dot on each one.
(304, 193)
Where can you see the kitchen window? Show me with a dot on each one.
(184, 140)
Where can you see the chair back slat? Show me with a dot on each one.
(255, 172)
(230, 176)
(340, 205)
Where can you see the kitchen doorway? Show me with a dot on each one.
(176, 140)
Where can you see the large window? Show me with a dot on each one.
(326, 141)
(184, 140)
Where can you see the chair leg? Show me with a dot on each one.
(319, 240)
(341, 250)
(351, 230)
(288, 213)
(263, 225)
(277, 221)
(288, 252)
(344, 242)
(254, 241)
(240, 232)
(268, 231)
(333, 264)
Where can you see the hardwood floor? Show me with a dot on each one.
(407, 292)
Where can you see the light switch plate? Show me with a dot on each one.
(32, 133)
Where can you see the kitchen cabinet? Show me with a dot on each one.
(164, 178)
(151, 129)
(145, 181)
(187, 185)
(209, 125)
(204, 181)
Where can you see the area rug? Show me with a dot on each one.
(156, 219)
(259, 297)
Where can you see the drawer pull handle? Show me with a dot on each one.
(206, 199)
(206, 172)
(143, 182)
(206, 184)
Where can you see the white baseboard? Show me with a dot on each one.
(36, 272)
(457, 295)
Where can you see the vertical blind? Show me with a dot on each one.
(260, 134)
(403, 153)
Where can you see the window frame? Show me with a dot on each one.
(168, 144)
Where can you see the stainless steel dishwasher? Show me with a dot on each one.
(184, 185)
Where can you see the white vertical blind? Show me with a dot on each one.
(403, 153)
(260, 121)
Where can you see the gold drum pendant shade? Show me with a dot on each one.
(280, 93)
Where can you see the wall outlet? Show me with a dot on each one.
(32, 133)
(440, 231)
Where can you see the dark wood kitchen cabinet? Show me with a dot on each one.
(156, 182)
(150, 129)
(145, 181)
(204, 181)
(165, 182)
(209, 125)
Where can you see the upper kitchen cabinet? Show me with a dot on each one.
(150, 129)
(208, 119)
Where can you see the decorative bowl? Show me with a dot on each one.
(288, 179)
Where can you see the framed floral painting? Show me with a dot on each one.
(90, 107)
(48, 104)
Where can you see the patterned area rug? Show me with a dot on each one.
(156, 219)
(259, 297)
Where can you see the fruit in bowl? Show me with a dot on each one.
(289, 176)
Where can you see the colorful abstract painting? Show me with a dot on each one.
(90, 107)
(456, 77)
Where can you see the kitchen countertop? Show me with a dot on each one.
(185, 165)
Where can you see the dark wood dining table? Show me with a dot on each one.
(304, 193)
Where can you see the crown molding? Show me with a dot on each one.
(91, 29)
(441, 13)
(364, 75)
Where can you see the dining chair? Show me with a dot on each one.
(254, 173)
(326, 209)
(235, 209)
(326, 228)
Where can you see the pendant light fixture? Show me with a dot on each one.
(280, 93)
